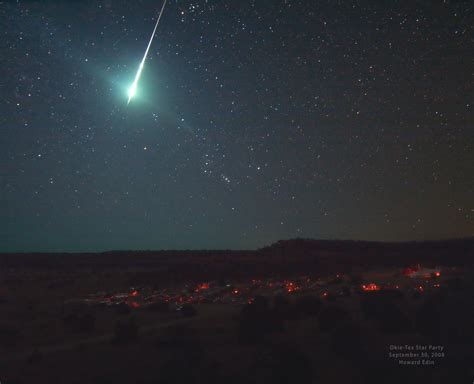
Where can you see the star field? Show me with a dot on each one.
(253, 122)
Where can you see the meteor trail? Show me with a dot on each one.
(133, 87)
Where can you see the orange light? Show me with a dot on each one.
(201, 287)
(290, 286)
(370, 287)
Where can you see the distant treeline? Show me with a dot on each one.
(285, 257)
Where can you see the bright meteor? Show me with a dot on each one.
(133, 88)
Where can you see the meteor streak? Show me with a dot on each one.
(133, 88)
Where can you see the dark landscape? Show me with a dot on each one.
(299, 310)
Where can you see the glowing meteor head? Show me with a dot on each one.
(131, 91)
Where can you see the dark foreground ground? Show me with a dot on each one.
(297, 312)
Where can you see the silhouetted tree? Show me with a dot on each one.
(188, 310)
(126, 331)
(159, 306)
(123, 309)
(283, 309)
(308, 305)
(256, 321)
(186, 361)
(347, 341)
(383, 307)
(34, 357)
(283, 364)
(9, 334)
(331, 317)
(86, 322)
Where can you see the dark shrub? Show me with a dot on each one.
(394, 294)
(210, 372)
(184, 358)
(372, 303)
(346, 292)
(86, 322)
(178, 369)
(104, 379)
(126, 331)
(72, 306)
(260, 304)
(181, 338)
(34, 357)
(258, 307)
(308, 305)
(355, 280)
(283, 309)
(256, 320)
(71, 319)
(251, 327)
(416, 295)
(428, 318)
(82, 322)
(393, 320)
(159, 306)
(188, 310)
(347, 341)
(330, 297)
(455, 284)
(335, 281)
(448, 317)
(331, 317)
(123, 309)
(284, 364)
(382, 306)
(9, 335)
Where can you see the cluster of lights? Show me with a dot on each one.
(370, 287)
(290, 286)
(201, 287)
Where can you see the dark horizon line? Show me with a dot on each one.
(326, 241)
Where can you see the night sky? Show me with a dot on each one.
(253, 121)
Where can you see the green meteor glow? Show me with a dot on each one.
(133, 88)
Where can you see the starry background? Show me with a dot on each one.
(254, 121)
